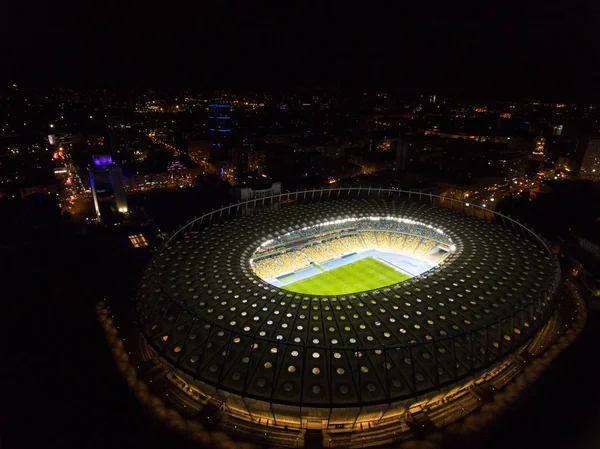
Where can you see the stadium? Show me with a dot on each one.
(343, 308)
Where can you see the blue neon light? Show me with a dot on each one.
(215, 105)
(223, 117)
(211, 129)
(224, 130)
(211, 116)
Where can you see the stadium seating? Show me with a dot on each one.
(410, 243)
(290, 258)
(424, 247)
(369, 239)
(378, 226)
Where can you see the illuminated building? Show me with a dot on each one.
(403, 153)
(219, 122)
(257, 191)
(117, 138)
(590, 166)
(239, 157)
(106, 183)
(138, 240)
(566, 164)
(257, 160)
(268, 360)
(539, 146)
(175, 176)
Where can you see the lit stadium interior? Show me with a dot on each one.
(350, 255)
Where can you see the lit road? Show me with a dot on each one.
(491, 195)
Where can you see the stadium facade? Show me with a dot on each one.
(233, 341)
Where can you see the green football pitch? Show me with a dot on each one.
(364, 274)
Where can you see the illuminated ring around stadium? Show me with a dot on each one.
(225, 332)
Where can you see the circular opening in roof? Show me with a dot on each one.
(351, 255)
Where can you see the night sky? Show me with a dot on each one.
(516, 48)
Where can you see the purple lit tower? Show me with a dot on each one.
(106, 182)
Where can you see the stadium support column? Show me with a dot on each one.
(512, 223)
(412, 365)
(472, 357)
(302, 375)
(387, 376)
(487, 344)
(275, 378)
(503, 221)
(220, 375)
(247, 408)
(499, 337)
(512, 326)
(330, 382)
(454, 364)
(385, 412)
(356, 351)
(435, 360)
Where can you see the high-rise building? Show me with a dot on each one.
(106, 183)
(539, 146)
(403, 151)
(590, 166)
(117, 138)
(257, 160)
(239, 156)
(219, 122)
(557, 130)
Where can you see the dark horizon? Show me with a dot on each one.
(533, 49)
